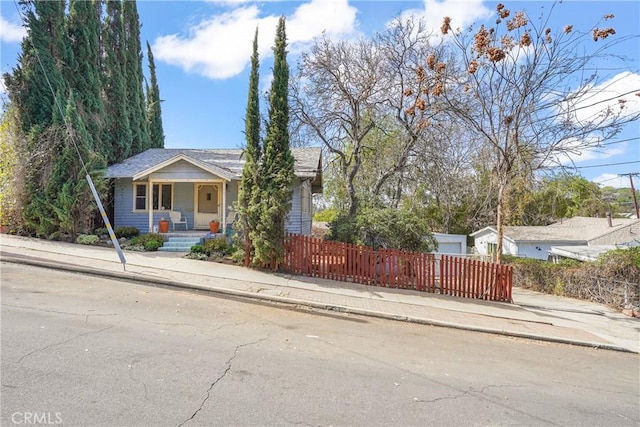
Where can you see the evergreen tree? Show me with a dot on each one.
(277, 168)
(38, 75)
(249, 196)
(67, 188)
(118, 135)
(84, 76)
(134, 79)
(154, 109)
(32, 89)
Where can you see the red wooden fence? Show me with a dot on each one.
(470, 278)
(396, 268)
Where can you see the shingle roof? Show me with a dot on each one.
(581, 253)
(307, 161)
(576, 229)
(542, 233)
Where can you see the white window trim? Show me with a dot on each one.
(150, 194)
(135, 196)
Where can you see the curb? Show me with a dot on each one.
(38, 262)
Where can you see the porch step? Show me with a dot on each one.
(180, 244)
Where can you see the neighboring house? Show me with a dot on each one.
(537, 241)
(580, 253)
(451, 244)
(586, 253)
(202, 185)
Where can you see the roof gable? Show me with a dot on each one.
(211, 168)
(227, 163)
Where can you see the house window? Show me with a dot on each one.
(140, 192)
(492, 248)
(162, 197)
(306, 199)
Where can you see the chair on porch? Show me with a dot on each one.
(177, 218)
(231, 219)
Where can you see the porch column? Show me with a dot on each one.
(224, 206)
(150, 205)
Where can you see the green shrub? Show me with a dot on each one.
(343, 229)
(127, 232)
(150, 241)
(612, 280)
(325, 215)
(87, 239)
(237, 255)
(219, 246)
(197, 255)
(152, 245)
(384, 228)
(60, 236)
(197, 249)
(101, 231)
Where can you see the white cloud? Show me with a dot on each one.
(580, 154)
(220, 47)
(601, 104)
(462, 13)
(10, 32)
(617, 95)
(229, 2)
(335, 17)
(612, 180)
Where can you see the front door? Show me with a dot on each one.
(207, 204)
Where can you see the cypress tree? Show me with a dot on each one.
(38, 76)
(34, 86)
(67, 188)
(84, 77)
(249, 196)
(118, 136)
(154, 109)
(134, 79)
(277, 168)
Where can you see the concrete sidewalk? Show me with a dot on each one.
(532, 315)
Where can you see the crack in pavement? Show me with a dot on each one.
(221, 377)
(58, 312)
(62, 342)
(298, 423)
(163, 323)
(465, 393)
(136, 380)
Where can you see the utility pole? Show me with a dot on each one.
(633, 190)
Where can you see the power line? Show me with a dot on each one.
(619, 141)
(607, 180)
(608, 164)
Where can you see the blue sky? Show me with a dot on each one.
(202, 51)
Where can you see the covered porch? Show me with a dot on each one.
(187, 194)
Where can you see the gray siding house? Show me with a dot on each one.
(537, 241)
(202, 185)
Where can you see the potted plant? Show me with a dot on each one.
(214, 226)
(163, 225)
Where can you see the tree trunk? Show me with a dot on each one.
(499, 221)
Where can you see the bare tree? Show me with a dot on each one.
(527, 95)
(406, 98)
(369, 103)
(335, 97)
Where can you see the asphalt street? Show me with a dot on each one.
(91, 351)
